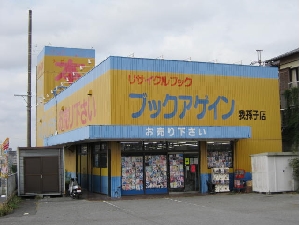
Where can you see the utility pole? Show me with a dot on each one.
(28, 95)
(29, 81)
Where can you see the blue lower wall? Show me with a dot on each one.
(148, 191)
(94, 183)
(82, 180)
(116, 187)
(101, 186)
(203, 178)
(153, 191)
(132, 192)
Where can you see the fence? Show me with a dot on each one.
(7, 187)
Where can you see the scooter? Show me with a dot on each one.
(74, 189)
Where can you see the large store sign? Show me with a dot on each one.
(187, 98)
(159, 107)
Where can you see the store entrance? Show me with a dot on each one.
(191, 172)
(183, 172)
(160, 167)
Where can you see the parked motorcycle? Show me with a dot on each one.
(74, 189)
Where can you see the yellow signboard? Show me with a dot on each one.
(145, 98)
(187, 161)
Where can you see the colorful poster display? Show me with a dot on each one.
(219, 159)
(176, 171)
(132, 173)
(156, 171)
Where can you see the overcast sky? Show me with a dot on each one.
(204, 30)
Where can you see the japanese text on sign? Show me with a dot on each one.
(69, 71)
(161, 80)
(188, 102)
(79, 113)
(252, 115)
(175, 132)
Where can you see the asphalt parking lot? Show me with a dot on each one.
(225, 208)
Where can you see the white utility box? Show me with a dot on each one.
(271, 172)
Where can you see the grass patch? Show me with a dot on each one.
(12, 204)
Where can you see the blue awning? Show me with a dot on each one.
(123, 133)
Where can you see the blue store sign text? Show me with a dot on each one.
(157, 106)
(170, 132)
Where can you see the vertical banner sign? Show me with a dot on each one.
(5, 146)
(4, 164)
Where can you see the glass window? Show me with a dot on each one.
(176, 171)
(156, 171)
(96, 155)
(100, 155)
(159, 146)
(103, 155)
(132, 146)
(83, 149)
(183, 145)
(219, 154)
(155, 146)
(132, 173)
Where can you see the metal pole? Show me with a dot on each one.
(29, 82)
(259, 56)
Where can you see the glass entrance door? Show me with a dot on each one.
(183, 172)
(191, 172)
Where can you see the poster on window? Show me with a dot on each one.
(218, 159)
(132, 173)
(156, 171)
(176, 171)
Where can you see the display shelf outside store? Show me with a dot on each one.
(220, 178)
(239, 182)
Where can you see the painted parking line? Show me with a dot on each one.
(117, 207)
(184, 202)
(140, 216)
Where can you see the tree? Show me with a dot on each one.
(290, 132)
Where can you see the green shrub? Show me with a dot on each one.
(294, 163)
(12, 204)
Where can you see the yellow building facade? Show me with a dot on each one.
(145, 126)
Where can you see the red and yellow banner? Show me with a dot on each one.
(4, 161)
(4, 147)
(5, 144)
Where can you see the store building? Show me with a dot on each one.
(133, 126)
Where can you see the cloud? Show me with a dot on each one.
(222, 32)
